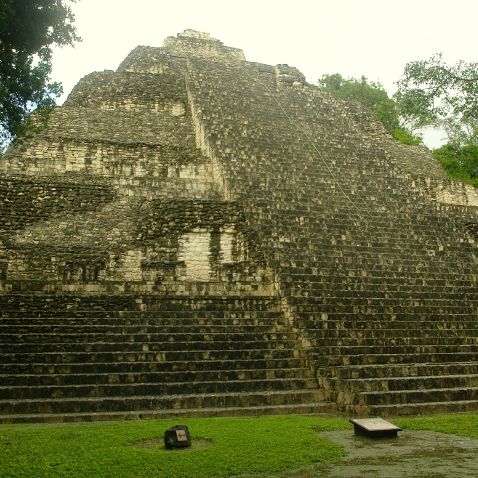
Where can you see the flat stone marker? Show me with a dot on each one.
(375, 427)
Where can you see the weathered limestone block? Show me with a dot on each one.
(191, 42)
(194, 251)
(459, 194)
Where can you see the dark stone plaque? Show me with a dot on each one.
(177, 437)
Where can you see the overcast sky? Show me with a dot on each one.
(375, 38)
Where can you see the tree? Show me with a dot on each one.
(430, 93)
(373, 96)
(28, 30)
(460, 162)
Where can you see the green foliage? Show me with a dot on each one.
(460, 162)
(373, 96)
(238, 446)
(404, 136)
(28, 30)
(431, 93)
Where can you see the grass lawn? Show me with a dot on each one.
(221, 446)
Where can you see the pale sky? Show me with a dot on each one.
(375, 38)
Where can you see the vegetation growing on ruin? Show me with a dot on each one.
(374, 97)
(460, 162)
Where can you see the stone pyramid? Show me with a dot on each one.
(196, 234)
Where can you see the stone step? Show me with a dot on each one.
(380, 293)
(111, 304)
(308, 408)
(416, 409)
(315, 270)
(154, 357)
(142, 312)
(392, 337)
(393, 323)
(24, 342)
(378, 304)
(159, 402)
(131, 367)
(415, 330)
(165, 388)
(404, 370)
(418, 396)
(381, 264)
(383, 385)
(224, 286)
(231, 303)
(45, 337)
(32, 377)
(384, 282)
(261, 343)
(69, 304)
(395, 350)
(227, 327)
(321, 323)
(368, 279)
(382, 301)
(420, 258)
(213, 320)
(440, 297)
(438, 357)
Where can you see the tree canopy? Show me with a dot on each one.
(431, 93)
(459, 162)
(28, 30)
(373, 96)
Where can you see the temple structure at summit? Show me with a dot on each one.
(197, 234)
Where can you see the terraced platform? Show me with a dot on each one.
(195, 233)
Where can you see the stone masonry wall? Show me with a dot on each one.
(129, 133)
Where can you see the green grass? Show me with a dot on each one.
(222, 446)
(465, 425)
(237, 446)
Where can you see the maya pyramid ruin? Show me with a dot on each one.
(197, 234)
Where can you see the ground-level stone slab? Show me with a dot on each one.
(374, 427)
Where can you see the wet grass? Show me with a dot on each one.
(222, 447)
(134, 449)
(465, 424)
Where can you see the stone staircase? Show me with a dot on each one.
(415, 354)
(402, 367)
(389, 306)
(90, 360)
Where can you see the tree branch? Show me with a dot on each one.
(453, 76)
